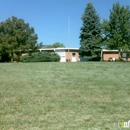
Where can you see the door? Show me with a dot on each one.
(73, 57)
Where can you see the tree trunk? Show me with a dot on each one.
(12, 57)
(18, 58)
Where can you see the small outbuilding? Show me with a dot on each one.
(112, 55)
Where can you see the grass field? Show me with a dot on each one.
(64, 96)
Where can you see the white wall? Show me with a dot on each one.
(61, 53)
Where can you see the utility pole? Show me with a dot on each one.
(68, 38)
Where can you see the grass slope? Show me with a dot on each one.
(64, 96)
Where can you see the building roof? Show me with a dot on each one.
(54, 49)
(105, 50)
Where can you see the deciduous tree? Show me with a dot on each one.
(16, 36)
(54, 45)
(116, 30)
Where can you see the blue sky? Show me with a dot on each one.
(50, 17)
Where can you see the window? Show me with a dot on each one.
(125, 55)
(128, 55)
(73, 54)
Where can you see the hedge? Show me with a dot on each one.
(40, 57)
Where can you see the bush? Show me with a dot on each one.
(5, 57)
(97, 58)
(119, 60)
(55, 58)
(40, 57)
(90, 58)
(15, 58)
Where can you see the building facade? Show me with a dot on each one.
(112, 55)
(66, 54)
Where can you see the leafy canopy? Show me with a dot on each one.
(54, 45)
(16, 35)
(116, 30)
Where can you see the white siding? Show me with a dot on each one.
(61, 53)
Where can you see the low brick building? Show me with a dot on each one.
(66, 54)
(112, 55)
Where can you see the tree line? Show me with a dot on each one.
(17, 37)
(111, 34)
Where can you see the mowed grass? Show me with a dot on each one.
(64, 96)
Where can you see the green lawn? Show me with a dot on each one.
(64, 96)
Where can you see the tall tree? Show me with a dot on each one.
(117, 29)
(90, 35)
(16, 36)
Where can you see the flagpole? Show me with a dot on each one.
(68, 37)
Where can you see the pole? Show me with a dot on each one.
(68, 38)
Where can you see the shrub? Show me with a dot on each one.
(5, 57)
(15, 58)
(119, 60)
(95, 58)
(55, 58)
(40, 57)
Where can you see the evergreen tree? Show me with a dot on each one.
(117, 29)
(90, 35)
(16, 36)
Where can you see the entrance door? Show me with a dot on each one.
(73, 57)
(62, 59)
